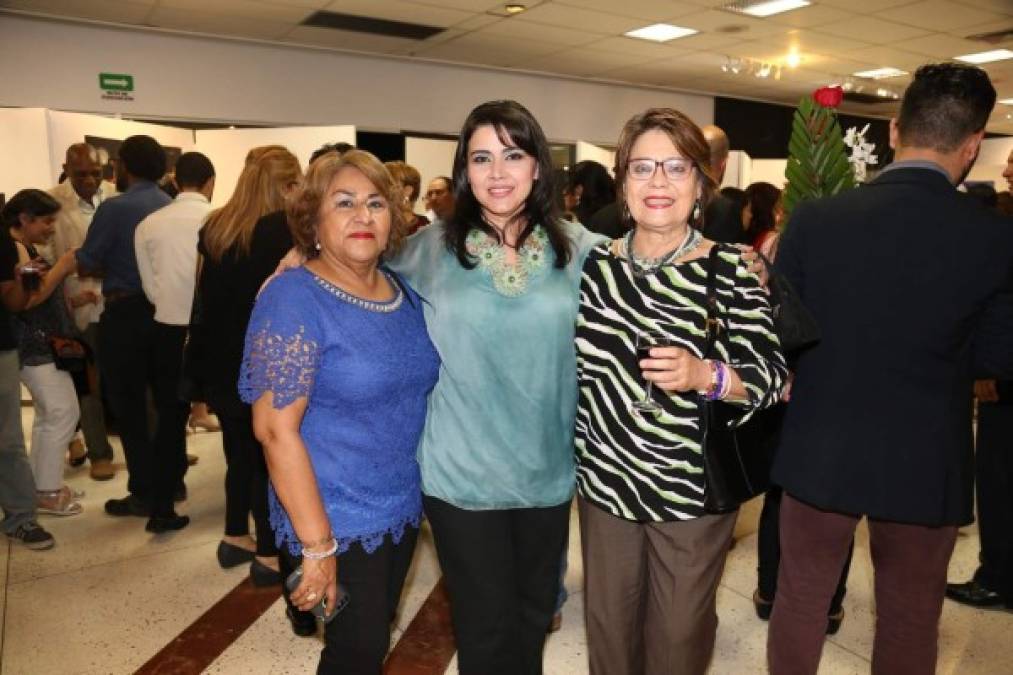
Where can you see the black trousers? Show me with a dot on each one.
(502, 573)
(245, 478)
(126, 343)
(768, 553)
(356, 640)
(169, 462)
(994, 473)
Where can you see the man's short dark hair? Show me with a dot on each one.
(143, 157)
(448, 180)
(339, 148)
(943, 105)
(193, 170)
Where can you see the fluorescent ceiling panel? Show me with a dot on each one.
(660, 32)
(880, 73)
(987, 57)
(768, 8)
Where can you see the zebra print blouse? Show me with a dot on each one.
(648, 468)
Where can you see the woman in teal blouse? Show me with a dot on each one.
(500, 280)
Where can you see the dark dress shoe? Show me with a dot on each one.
(973, 594)
(304, 624)
(834, 621)
(262, 575)
(763, 607)
(230, 555)
(127, 506)
(170, 523)
(179, 494)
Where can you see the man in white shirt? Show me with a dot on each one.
(166, 247)
(79, 195)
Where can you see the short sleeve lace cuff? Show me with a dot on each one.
(283, 362)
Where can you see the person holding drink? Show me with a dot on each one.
(652, 556)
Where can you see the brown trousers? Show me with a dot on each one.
(910, 565)
(649, 592)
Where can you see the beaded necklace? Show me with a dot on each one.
(370, 305)
(641, 267)
(509, 280)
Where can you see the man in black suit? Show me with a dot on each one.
(911, 283)
(722, 219)
(992, 584)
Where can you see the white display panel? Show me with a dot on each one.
(24, 162)
(227, 148)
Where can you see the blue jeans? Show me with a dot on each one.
(17, 485)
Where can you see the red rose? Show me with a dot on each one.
(829, 97)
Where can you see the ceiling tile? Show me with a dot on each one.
(217, 24)
(399, 10)
(813, 15)
(811, 42)
(1000, 6)
(96, 10)
(941, 46)
(580, 19)
(625, 45)
(888, 56)
(709, 41)
(244, 8)
(873, 30)
(865, 6)
(468, 5)
(478, 21)
(710, 21)
(940, 15)
(652, 10)
(563, 37)
(488, 48)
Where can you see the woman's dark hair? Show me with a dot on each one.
(143, 157)
(34, 203)
(515, 126)
(687, 138)
(598, 188)
(762, 198)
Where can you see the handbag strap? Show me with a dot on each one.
(713, 324)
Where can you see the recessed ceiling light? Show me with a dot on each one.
(987, 57)
(793, 60)
(880, 73)
(762, 8)
(514, 9)
(660, 32)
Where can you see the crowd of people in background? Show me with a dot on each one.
(522, 343)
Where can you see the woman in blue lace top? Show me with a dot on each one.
(338, 367)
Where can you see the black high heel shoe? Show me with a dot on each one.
(262, 575)
(230, 555)
(304, 624)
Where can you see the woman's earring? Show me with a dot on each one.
(696, 211)
(317, 245)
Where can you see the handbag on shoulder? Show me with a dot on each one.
(733, 471)
(794, 324)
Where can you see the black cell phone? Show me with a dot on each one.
(319, 610)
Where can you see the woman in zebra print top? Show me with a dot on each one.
(652, 556)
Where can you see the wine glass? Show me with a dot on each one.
(644, 342)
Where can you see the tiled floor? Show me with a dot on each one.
(110, 596)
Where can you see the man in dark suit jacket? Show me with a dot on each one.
(722, 219)
(992, 584)
(911, 283)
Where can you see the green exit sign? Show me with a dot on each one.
(115, 82)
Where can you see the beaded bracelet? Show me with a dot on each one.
(331, 550)
(719, 378)
(726, 387)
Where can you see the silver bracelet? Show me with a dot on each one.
(310, 555)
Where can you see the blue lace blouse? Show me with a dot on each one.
(367, 369)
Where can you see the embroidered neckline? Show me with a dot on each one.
(368, 305)
(509, 280)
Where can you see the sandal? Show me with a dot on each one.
(56, 503)
(73, 493)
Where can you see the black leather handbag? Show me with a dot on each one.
(734, 469)
(795, 325)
